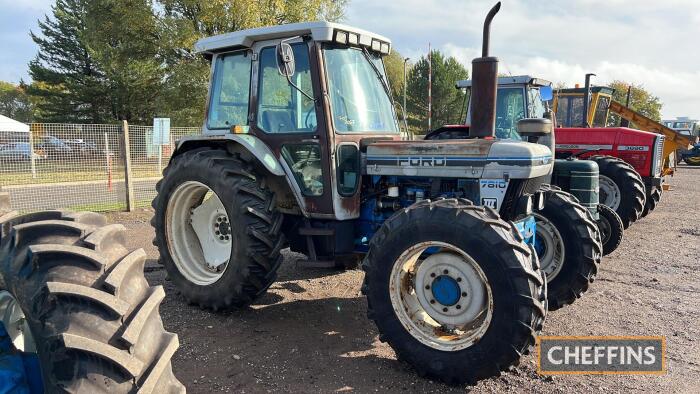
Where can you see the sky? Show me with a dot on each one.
(649, 42)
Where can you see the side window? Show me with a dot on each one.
(599, 120)
(281, 107)
(305, 163)
(230, 91)
(348, 169)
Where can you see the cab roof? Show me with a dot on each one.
(319, 31)
(511, 80)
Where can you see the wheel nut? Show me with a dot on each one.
(221, 237)
(459, 279)
(444, 309)
(227, 237)
(464, 294)
(218, 233)
(459, 307)
(445, 272)
(432, 301)
(427, 287)
(432, 275)
(219, 219)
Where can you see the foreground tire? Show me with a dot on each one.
(692, 160)
(611, 229)
(470, 272)
(568, 245)
(652, 201)
(77, 297)
(621, 188)
(217, 229)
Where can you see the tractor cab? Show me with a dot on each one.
(568, 104)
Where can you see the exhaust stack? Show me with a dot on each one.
(484, 86)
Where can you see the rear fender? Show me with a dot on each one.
(280, 178)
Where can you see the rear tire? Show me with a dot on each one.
(92, 316)
(569, 247)
(256, 239)
(652, 201)
(508, 266)
(622, 180)
(611, 229)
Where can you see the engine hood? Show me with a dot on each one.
(476, 158)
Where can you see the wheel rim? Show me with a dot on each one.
(15, 323)
(549, 245)
(610, 194)
(199, 233)
(441, 296)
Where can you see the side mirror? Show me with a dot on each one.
(546, 93)
(285, 59)
(535, 127)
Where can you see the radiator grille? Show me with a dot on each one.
(517, 188)
(658, 155)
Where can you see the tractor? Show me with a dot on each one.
(634, 163)
(526, 96)
(76, 312)
(301, 148)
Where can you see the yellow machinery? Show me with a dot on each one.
(569, 103)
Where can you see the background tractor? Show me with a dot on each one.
(582, 129)
(76, 313)
(301, 147)
(524, 96)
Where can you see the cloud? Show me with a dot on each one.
(650, 42)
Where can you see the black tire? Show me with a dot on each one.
(653, 198)
(511, 268)
(692, 160)
(580, 244)
(611, 229)
(255, 221)
(631, 185)
(90, 310)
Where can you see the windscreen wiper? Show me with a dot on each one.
(379, 73)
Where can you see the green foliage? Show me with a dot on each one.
(641, 101)
(448, 102)
(393, 65)
(15, 103)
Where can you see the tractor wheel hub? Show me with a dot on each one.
(446, 290)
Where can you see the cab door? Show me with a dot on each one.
(288, 117)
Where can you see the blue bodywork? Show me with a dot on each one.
(371, 218)
(20, 372)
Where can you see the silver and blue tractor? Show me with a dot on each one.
(301, 148)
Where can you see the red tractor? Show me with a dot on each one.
(631, 161)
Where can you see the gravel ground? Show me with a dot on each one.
(309, 333)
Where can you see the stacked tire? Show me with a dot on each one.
(86, 308)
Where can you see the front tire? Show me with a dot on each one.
(621, 188)
(568, 246)
(217, 229)
(611, 229)
(422, 258)
(653, 198)
(76, 297)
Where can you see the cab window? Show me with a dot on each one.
(230, 91)
(510, 108)
(281, 107)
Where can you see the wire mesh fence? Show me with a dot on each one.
(81, 166)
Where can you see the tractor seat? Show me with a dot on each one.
(277, 121)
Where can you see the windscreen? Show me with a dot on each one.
(360, 102)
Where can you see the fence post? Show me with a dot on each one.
(126, 156)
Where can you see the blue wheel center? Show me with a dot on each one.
(445, 290)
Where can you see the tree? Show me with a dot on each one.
(15, 103)
(448, 102)
(68, 84)
(393, 65)
(641, 101)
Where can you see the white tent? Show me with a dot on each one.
(11, 125)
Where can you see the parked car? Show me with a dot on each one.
(55, 147)
(20, 151)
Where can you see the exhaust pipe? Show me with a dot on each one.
(587, 100)
(484, 85)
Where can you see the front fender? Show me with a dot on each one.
(254, 145)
